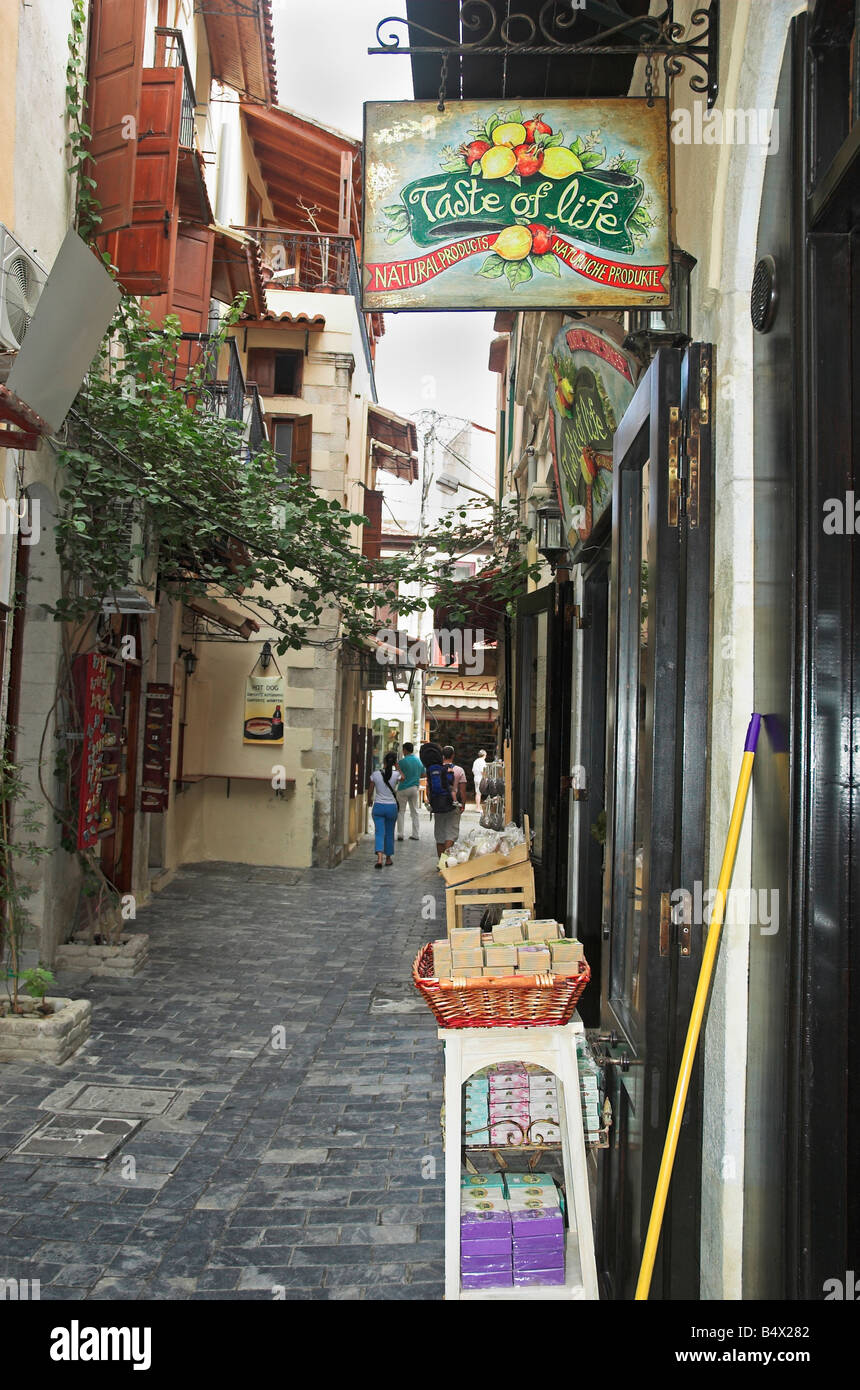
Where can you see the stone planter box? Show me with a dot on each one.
(120, 962)
(33, 1037)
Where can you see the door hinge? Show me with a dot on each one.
(691, 455)
(674, 470)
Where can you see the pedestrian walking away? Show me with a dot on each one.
(479, 767)
(383, 784)
(409, 791)
(446, 797)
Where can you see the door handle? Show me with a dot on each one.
(167, 222)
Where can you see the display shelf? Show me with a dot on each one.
(552, 1048)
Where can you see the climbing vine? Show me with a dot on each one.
(87, 207)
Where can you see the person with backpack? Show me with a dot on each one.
(446, 794)
(383, 784)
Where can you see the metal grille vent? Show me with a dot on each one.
(763, 296)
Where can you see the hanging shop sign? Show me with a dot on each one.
(157, 740)
(475, 208)
(264, 705)
(591, 385)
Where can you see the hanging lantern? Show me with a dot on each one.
(650, 329)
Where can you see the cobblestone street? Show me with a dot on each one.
(288, 1171)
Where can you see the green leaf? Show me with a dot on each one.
(518, 272)
(514, 178)
(556, 139)
(490, 127)
(493, 267)
(455, 166)
(547, 263)
(395, 210)
(395, 234)
(591, 158)
(628, 166)
(515, 115)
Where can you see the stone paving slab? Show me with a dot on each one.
(290, 1164)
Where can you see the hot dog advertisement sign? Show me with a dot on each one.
(481, 208)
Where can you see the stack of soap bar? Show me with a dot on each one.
(537, 1228)
(476, 1118)
(533, 960)
(589, 1087)
(509, 1103)
(486, 1252)
(543, 929)
(442, 960)
(543, 1107)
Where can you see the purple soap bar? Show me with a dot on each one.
(486, 1245)
(525, 1260)
(484, 1225)
(539, 1276)
(545, 1221)
(486, 1264)
(487, 1281)
(540, 1244)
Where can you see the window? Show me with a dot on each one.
(276, 372)
(291, 442)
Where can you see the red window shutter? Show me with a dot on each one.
(302, 437)
(113, 104)
(192, 276)
(371, 541)
(261, 369)
(144, 252)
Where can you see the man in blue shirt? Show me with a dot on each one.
(408, 791)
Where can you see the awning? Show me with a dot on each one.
(242, 47)
(462, 697)
(223, 616)
(237, 269)
(20, 427)
(303, 161)
(394, 441)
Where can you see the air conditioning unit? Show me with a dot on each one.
(22, 279)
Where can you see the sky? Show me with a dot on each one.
(425, 360)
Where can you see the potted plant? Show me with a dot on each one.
(39, 1027)
(100, 944)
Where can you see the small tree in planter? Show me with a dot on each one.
(17, 822)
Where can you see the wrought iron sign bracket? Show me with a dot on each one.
(484, 34)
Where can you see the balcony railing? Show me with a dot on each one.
(313, 262)
(170, 53)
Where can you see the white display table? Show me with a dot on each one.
(467, 1050)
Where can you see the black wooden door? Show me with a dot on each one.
(659, 634)
(542, 737)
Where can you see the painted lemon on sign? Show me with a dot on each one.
(514, 243)
(560, 162)
(498, 162)
(509, 133)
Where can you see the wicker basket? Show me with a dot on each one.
(502, 1001)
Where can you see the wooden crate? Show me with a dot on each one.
(484, 864)
(513, 885)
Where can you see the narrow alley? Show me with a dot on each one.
(301, 1155)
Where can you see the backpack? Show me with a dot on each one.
(440, 779)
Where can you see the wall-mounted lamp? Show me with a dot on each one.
(551, 539)
(266, 656)
(190, 660)
(650, 329)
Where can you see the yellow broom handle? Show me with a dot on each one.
(664, 1177)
